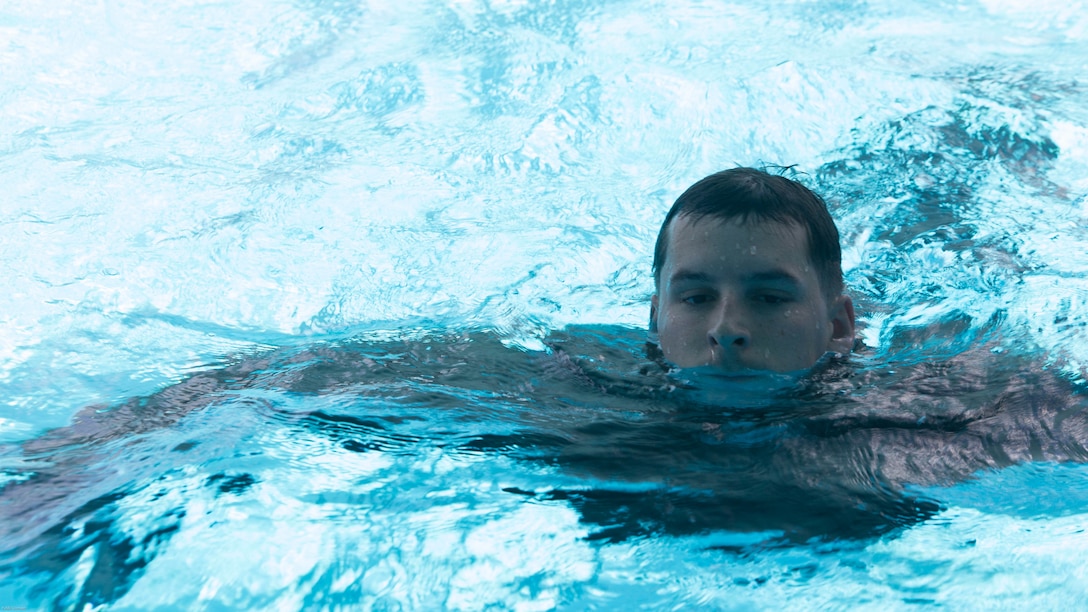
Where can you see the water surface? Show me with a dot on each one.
(296, 201)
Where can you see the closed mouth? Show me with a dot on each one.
(711, 376)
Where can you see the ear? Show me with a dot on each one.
(842, 325)
(653, 314)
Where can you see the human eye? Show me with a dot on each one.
(696, 298)
(771, 298)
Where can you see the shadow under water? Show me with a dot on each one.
(831, 457)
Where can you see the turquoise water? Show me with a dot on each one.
(298, 188)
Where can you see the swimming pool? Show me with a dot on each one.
(202, 184)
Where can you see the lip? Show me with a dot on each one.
(729, 371)
(737, 376)
(730, 375)
(711, 376)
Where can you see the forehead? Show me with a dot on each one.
(735, 240)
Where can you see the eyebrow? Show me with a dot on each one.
(687, 275)
(769, 276)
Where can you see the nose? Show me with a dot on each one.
(728, 331)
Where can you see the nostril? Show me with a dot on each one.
(739, 341)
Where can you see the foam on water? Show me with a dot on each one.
(189, 184)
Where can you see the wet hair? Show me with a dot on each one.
(750, 194)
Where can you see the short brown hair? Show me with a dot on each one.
(750, 193)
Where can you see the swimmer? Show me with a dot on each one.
(748, 276)
(748, 279)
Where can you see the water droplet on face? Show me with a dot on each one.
(752, 250)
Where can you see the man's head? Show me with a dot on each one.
(748, 275)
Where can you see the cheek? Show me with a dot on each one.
(671, 330)
(804, 320)
(678, 330)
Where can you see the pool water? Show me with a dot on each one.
(342, 304)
